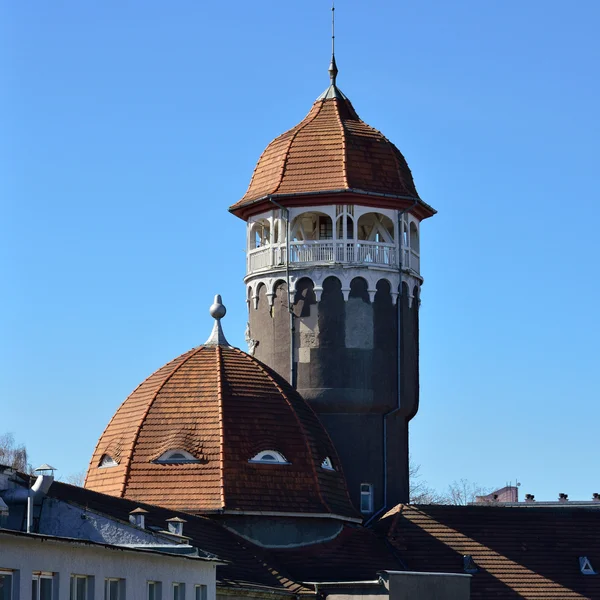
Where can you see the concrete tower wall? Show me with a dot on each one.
(346, 366)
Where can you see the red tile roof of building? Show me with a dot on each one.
(223, 407)
(330, 151)
(520, 552)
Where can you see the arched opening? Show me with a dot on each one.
(375, 227)
(312, 226)
(304, 297)
(260, 234)
(349, 233)
(414, 238)
(359, 289)
(332, 318)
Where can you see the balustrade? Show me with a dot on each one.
(359, 252)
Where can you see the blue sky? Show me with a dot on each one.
(128, 129)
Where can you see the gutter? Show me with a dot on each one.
(401, 213)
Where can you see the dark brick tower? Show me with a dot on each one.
(333, 230)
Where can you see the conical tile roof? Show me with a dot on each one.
(330, 151)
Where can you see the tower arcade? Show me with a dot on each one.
(333, 284)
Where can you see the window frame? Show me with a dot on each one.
(107, 461)
(37, 577)
(12, 574)
(89, 586)
(166, 457)
(366, 494)
(278, 458)
(327, 464)
(180, 586)
(203, 589)
(120, 588)
(157, 589)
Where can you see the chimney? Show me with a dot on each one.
(138, 517)
(596, 497)
(563, 497)
(175, 525)
(529, 498)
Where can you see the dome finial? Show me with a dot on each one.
(217, 312)
(333, 70)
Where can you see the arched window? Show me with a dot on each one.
(270, 456)
(349, 227)
(260, 234)
(176, 457)
(414, 238)
(107, 461)
(311, 226)
(327, 464)
(375, 227)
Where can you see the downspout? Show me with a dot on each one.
(401, 214)
(285, 211)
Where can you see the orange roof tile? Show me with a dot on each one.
(330, 150)
(223, 407)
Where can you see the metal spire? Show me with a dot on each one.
(217, 312)
(333, 70)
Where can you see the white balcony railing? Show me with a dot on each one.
(329, 252)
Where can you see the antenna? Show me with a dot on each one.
(333, 70)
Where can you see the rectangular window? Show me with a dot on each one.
(6, 584)
(325, 228)
(201, 592)
(179, 591)
(41, 585)
(154, 590)
(366, 498)
(80, 587)
(114, 589)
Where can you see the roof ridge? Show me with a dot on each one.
(299, 128)
(220, 403)
(300, 424)
(159, 387)
(344, 149)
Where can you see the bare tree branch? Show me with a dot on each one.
(13, 455)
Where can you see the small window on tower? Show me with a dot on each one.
(107, 461)
(366, 498)
(327, 464)
(176, 457)
(270, 456)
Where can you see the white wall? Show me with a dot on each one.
(29, 554)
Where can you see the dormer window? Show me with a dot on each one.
(469, 565)
(327, 464)
(107, 461)
(270, 456)
(176, 457)
(585, 566)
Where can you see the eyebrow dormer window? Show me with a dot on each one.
(327, 464)
(107, 461)
(176, 457)
(270, 456)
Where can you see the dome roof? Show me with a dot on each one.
(331, 150)
(187, 436)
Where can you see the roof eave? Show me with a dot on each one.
(247, 209)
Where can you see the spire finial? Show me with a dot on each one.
(333, 70)
(217, 312)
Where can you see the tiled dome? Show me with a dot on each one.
(330, 150)
(217, 408)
